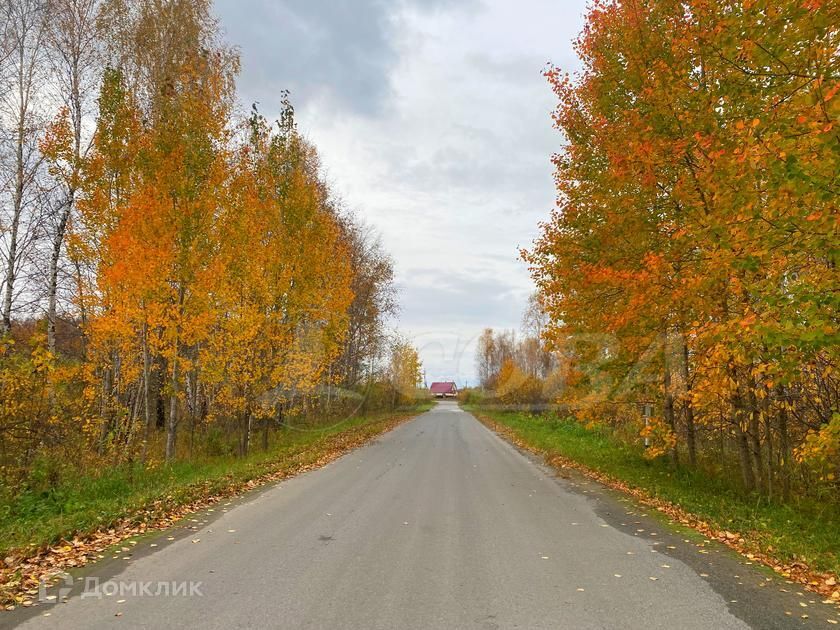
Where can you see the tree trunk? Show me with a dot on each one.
(784, 445)
(747, 474)
(52, 288)
(266, 425)
(741, 439)
(24, 82)
(755, 438)
(768, 441)
(245, 436)
(688, 407)
(14, 228)
(329, 390)
(132, 420)
(668, 405)
(172, 424)
(191, 417)
(104, 408)
(147, 410)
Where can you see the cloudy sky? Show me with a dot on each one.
(432, 121)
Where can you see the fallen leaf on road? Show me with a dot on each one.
(196, 540)
(654, 578)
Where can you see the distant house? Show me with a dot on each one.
(445, 389)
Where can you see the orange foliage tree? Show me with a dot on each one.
(691, 261)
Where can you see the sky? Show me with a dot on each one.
(432, 120)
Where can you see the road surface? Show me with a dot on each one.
(438, 524)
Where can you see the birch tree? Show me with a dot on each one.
(73, 52)
(23, 82)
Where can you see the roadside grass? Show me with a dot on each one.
(805, 530)
(87, 503)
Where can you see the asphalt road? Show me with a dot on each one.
(438, 524)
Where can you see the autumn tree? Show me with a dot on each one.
(280, 311)
(405, 371)
(692, 252)
(374, 304)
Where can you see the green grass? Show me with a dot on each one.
(83, 504)
(805, 529)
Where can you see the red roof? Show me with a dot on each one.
(447, 387)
